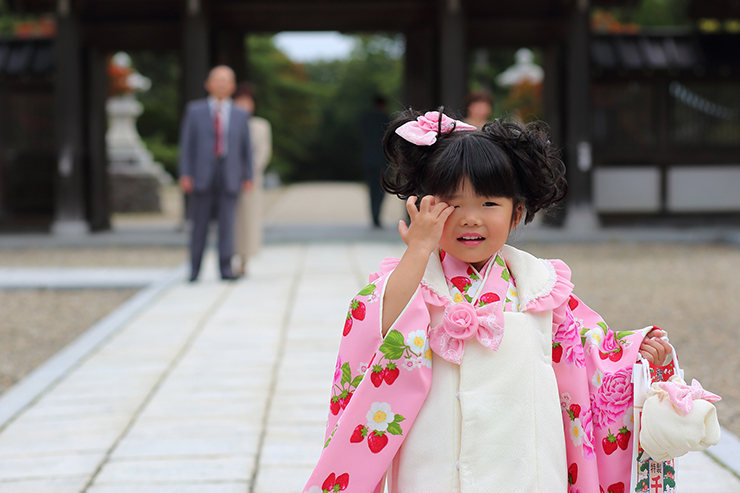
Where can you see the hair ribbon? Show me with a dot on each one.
(427, 128)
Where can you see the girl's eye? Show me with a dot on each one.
(489, 204)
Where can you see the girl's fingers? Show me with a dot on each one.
(411, 206)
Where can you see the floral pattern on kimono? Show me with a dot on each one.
(380, 383)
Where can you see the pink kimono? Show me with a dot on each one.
(498, 379)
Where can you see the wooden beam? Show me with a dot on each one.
(97, 158)
(195, 52)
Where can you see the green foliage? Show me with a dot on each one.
(662, 13)
(163, 152)
(159, 124)
(347, 88)
(9, 20)
(289, 100)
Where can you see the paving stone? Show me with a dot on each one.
(282, 479)
(182, 470)
(56, 485)
(236, 444)
(216, 487)
(57, 466)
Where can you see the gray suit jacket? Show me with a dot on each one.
(198, 139)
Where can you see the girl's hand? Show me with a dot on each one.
(655, 349)
(427, 223)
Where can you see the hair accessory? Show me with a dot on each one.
(425, 130)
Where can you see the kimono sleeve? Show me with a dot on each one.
(380, 384)
(593, 366)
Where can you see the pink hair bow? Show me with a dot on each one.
(462, 322)
(426, 128)
(683, 395)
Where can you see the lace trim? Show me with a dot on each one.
(551, 282)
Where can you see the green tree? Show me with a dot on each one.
(346, 89)
(288, 99)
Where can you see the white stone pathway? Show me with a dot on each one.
(212, 387)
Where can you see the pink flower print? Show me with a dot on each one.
(338, 369)
(570, 340)
(410, 363)
(362, 368)
(610, 344)
(587, 424)
(613, 398)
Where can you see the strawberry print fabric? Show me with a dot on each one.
(380, 383)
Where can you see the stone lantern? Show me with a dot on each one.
(134, 175)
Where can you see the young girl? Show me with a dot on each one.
(469, 365)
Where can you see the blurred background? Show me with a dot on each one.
(642, 95)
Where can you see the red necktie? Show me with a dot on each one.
(219, 149)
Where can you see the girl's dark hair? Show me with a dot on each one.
(504, 159)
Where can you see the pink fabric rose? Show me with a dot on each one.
(613, 398)
(461, 321)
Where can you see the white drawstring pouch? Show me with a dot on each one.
(677, 418)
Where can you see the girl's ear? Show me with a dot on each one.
(518, 213)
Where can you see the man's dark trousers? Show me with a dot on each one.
(201, 205)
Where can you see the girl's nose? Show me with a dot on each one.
(469, 218)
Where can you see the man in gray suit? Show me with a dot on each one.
(215, 164)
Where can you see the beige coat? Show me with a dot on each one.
(249, 211)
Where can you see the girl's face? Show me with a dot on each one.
(479, 226)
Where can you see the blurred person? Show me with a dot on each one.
(249, 208)
(215, 164)
(372, 128)
(478, 107)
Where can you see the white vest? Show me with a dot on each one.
(494, 423)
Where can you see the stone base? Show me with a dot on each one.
(134, 192)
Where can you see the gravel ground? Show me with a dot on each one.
(688, 290)
(94, 257)
(36, 323)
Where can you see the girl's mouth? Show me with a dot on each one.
(471, 239)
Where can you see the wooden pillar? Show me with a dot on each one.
(421, 92)
(99, 183)
(195, 51)
(577, 115)
(452, 55)
(553, 111)
(229, 49)
(69, 209)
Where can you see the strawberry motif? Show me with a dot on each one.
(616, 488)
(391, 373)
(609, 443)
(377, 441)
(342, 482)
(487, 298)
(347, 324)
(574, 411)
(557, 352)
(462, 283)
(359, 434)
(603, 355)
(335, 406)
(442, 254)
(357, 308)
(623, 438)
(616, 355)
(376, 376)
(333, 484)
(573, 473)
(572, 303)
(343, 401)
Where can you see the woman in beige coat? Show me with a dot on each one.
(249, 211)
